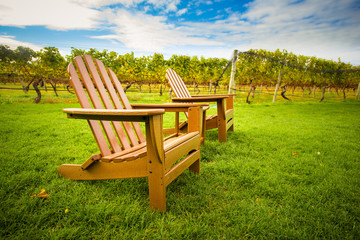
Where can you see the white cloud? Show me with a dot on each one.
(181, 12)
(309, 27)
(101, 3)
(168, 5)
(54, 14)
(149, 33)
(328, 30)
(13, 43)
(199, 12)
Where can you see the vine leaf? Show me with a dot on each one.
(42, 194)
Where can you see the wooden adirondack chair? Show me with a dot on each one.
(124, 151)
(223, 120)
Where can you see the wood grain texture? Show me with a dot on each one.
(223, 120)
(104, 101)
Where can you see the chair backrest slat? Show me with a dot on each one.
(110, 87)
(93, 94)
(126, 104)
(84, 102)
(177, 84)
(103, 90)
(106, 100)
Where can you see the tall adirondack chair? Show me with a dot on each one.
(223, 120)
(124, 151)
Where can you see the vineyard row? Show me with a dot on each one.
(254, 68)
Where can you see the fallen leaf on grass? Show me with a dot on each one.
(66, 210)
(42, 194)
(294, 153)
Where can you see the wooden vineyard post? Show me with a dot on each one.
(277, 85)
(314, 90)
(233, 72)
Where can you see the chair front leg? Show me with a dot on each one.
(221, 118)
(156, 157)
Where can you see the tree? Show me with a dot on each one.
(51, 66)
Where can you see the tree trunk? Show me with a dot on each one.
(149, 88)
(344, 93)
(323, 94)
(161, 90)
(283, 91)
(197, 89)
(250, 89)
(358, 92)
(68, 88)
(128, 86)
(46, 87)
(277, 86)
(54, 87)
(38, 98)
(170, 93)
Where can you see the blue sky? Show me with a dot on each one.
(211, 28)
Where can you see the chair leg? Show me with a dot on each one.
(203, 129)
(221, 118)
(195, 167)
(156, 158)
(157, 190)
(231, 129)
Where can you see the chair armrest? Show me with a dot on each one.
(210, 98)
(171, 107)
(209, 95)
(112, 114)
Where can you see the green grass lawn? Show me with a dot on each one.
(289, 170)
